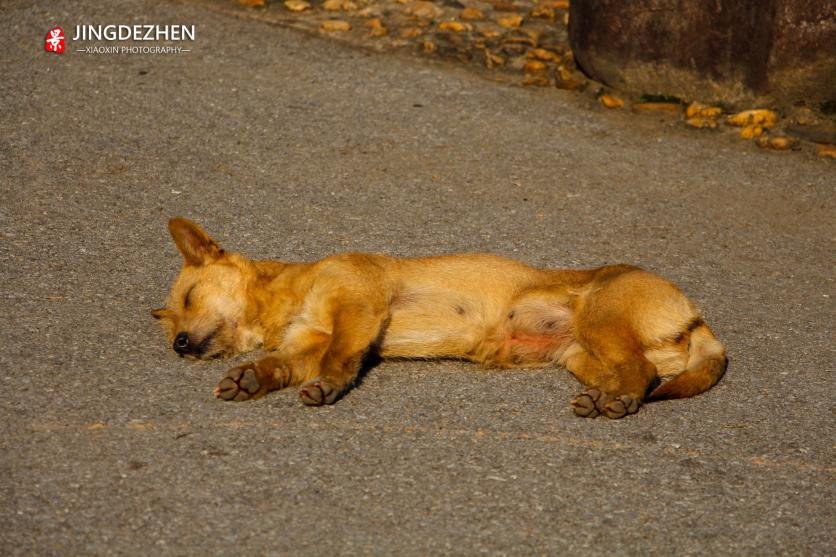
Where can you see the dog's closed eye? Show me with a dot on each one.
(187, 300)
(162, 313)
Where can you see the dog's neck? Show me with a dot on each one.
(267, 271)
(273, 290)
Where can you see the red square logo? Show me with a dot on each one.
(54, 41)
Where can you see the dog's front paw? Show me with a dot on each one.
(240, 383)
(318, 392)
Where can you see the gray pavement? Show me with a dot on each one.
(290, 146)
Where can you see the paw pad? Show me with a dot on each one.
(593, 402)
(240, 383)
(620, 407)
(584, 405)
(318, 392)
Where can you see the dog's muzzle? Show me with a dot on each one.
(181, 344)
(185, 345)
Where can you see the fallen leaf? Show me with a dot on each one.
(826, 150)
(421, 8)
(376, 28)
(534, 66)
(751, 131)
(611, 101)
(472, 14)
(759, 116)
(296, 5)
(777, 142)
(370, 11)
(543, 54)
(543, 12)
(454, 26)
(490, 31)
(701, 122)
(339, 5)
(335, 26)
(698, 109)
(510, 21)
(411, 32)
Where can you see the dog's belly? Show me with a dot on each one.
(497, 331)
(433, 325)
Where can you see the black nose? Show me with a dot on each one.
(181, 343)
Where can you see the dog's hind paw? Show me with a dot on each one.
(593, 402)
(620, 406)
(240, 383)
(318, 392)
(585, 404)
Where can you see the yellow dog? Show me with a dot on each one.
(616, 328)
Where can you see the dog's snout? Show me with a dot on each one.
(181, 343)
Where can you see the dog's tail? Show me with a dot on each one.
(706, 365)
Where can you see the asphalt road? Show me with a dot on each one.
(289, 146)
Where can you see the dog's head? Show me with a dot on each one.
(207, 314)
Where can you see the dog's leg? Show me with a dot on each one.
(295, 361)
(356, 330)
(613, 368)
(253, 380)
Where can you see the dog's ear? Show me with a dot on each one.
(161, 313)
(193, 242)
